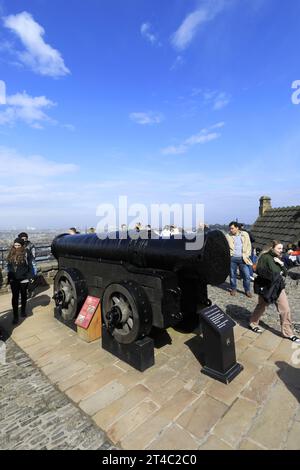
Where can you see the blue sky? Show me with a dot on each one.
(180, 101)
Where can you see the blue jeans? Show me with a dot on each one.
(244, 270)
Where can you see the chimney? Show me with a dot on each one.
(265, 205)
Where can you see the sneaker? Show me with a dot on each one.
(295, 339)
(249, 295)
(255, 328)
(233, 292)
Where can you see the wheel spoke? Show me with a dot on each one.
(115, 300)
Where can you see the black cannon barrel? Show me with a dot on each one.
(211, 262)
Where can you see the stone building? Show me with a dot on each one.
(280, 223)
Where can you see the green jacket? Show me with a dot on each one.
(267, 268)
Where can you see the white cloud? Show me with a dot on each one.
(216, 99)
(38, 55)
(69, 127)
(178, 62)
(13, 164)
(221, 100)
(147, 118)
(191, 24)
(2, 92)
(148, 34)
(204, 136)
(174, 150)
(201, 138)
(28, 109)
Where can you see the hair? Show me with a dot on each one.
(299, 244)
(275, 243)
(17, 256)
(236, 224)
(23, 235)
(267, 248)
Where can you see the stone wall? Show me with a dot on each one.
(46, 273)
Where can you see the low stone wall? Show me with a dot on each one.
(46, 271)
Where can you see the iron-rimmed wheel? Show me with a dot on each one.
(69, 292)
(126, 311)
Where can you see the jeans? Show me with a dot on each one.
(244, 270)
(18, 288)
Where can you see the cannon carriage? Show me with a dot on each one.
(142, 283)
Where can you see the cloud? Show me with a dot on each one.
(204, 136)
(191, 24)
(178, 62)
(216, 99)
(2, 92)
(13, 164)
(147, 118)
(148, 34)
(219, 100)
(28, 109)
(69, 127)
(221, 103)
(38, 55)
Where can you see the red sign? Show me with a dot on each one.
(87, 312)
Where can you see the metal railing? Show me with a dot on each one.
(43, 254)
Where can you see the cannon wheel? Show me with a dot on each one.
(126, 311)
(69, 292)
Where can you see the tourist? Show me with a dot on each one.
(19, 273)
(270, 287)
(32, 252)
(294, 254)
(73, 231)
(253, 256)
(240, 252)
(28, 244)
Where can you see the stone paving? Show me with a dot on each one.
(172, 405)
(35, 415)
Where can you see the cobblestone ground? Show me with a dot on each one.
(35, 415)
(240, 307)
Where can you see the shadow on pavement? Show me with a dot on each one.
(6, 326)
(160, 337)
(239, 314)
(196, 346)
(270, 328)
(290, 376)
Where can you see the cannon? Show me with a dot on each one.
(142, 282)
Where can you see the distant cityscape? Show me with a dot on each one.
(38, 237)
(45, 236)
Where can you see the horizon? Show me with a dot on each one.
(188, 102)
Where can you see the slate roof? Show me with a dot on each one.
(281, 224)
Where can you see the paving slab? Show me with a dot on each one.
(170, 405)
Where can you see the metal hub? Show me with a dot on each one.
(70, 292)
(126, 312)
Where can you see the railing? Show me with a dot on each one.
(43, 253)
